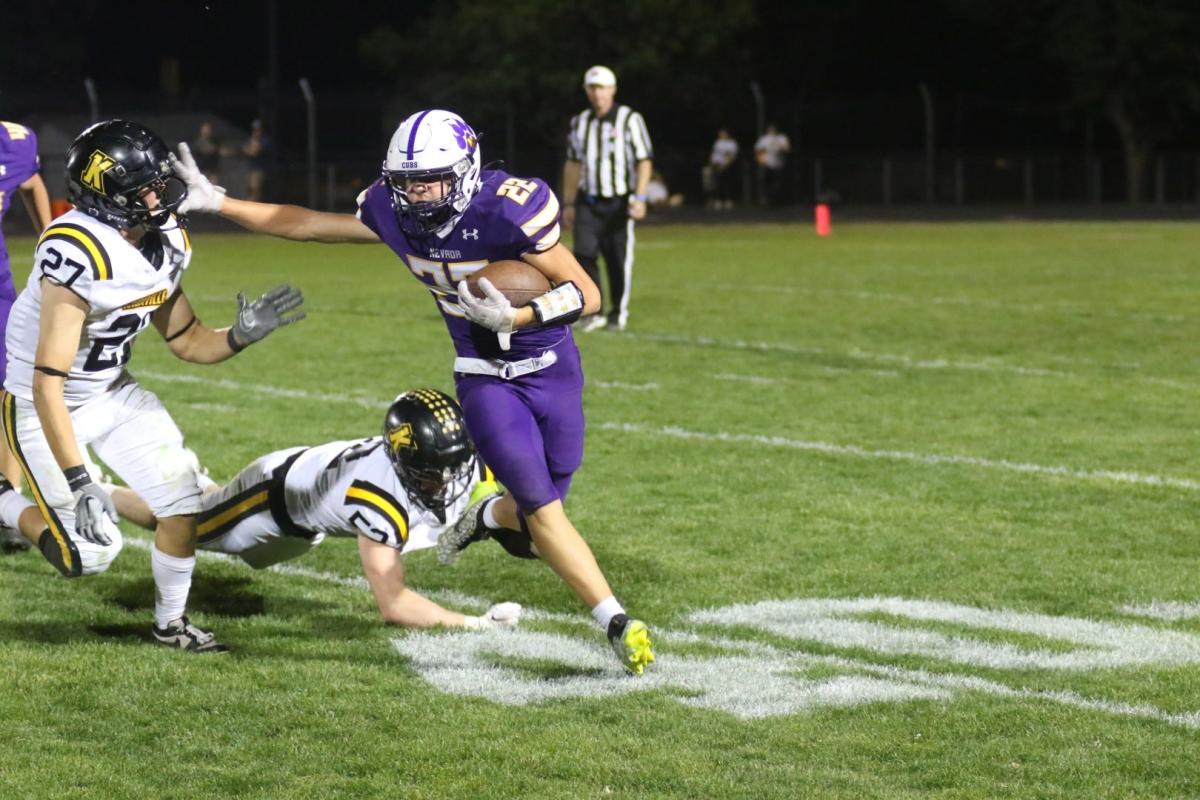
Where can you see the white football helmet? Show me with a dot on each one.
(431, 146)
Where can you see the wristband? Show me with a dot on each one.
(231, 340)
(474, 623)
(639, 198)
(77, 477)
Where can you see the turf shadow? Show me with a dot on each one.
(224, 596)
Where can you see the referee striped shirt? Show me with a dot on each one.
(608, 150)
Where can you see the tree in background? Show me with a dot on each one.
(1134, 62)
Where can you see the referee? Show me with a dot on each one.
(604, 190)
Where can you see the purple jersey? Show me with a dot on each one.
(18, 163)
(507, 218)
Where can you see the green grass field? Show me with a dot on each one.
(960, 459)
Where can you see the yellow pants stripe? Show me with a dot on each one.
(212, 522)
(52, 521)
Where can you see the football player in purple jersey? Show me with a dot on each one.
(19, 165)
(517, 372)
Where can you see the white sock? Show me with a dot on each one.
(12, 503)
(172, 580)
(489, 519)
(605, 610)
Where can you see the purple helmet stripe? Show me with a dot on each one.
(412, 136)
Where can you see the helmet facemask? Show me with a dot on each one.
(436, 488)
(168, 190)
(420, 217)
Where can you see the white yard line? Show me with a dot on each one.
(634, 387)
(263, 389)
(968, 302)
(1166, 610)
(828, 448)
(904, 361)
(855, 451)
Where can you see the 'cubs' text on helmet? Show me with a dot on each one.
(432, 147)
(426, 438)
(121, 173)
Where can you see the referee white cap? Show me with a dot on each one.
(599, 76)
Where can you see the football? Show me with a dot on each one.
(516, 280)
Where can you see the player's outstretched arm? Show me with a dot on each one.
(383, 567)
(192, 340)
(286, 221)
(298, 223)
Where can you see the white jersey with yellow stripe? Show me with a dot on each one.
(121, 286)
(350, 488)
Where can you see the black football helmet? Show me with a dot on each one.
(113, 165)
(426, 438)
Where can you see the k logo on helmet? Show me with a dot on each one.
(401, 437)
(93, 174)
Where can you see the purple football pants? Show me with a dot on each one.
(529, 430)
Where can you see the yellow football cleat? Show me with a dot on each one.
(630, 639)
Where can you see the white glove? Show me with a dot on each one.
(501, 615)
(492, 311)
(92, 504)
(202, 195)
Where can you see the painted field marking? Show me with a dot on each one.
(909, 362)
(1093, 645)
(827, 448)
(752, 680)
(635, 387)
(1166, 610)
(968, 302)
(854, 451)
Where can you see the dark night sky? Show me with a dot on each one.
(839, 75)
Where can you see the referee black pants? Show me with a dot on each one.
(603, 228)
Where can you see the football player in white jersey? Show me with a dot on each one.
(103, 273)
(394, 493)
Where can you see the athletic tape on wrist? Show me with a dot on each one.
(561, 305)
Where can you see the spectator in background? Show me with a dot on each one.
(656, 190)
(257, 150)
(657, 193)
(19, 165)
(771, 152)
(207, 151)
(604, 190)
(722, 172)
